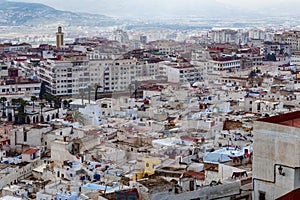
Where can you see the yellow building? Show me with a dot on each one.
(149, 164)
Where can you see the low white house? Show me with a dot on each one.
(31, 155)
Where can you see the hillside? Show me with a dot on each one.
(19, 13)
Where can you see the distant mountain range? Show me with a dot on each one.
(19, 13)
(151, 14)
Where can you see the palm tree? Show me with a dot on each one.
(3, 100)
(69, 103)
(81, 93)
(14, 103)
(89, 96)
(21, 111)
(57, 101)
(65, 103)
(42, 105)
(49, 98)
(96, 90)
(78, 117)
(33, 99)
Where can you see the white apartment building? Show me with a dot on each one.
(224, 36)
(24, 87)
(181, 73)
(121, 36)
(167, 46)
(295, 59)
(275, 48)
(66, 76)
(292, 38)
(225, 63)
(69, 76)
(257, 34)
(3, 70)
(121, 73)
(14, 47)
(201, 60)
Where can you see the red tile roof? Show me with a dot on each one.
(288, 119)
(293, 195)
(30, 151)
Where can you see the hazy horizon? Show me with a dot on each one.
(142, 8)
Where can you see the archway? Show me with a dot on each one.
(48, 118)
(33, 120)
(53, 116)
(42, 118)
(9, 117)
(28, 120)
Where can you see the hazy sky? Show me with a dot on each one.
(133, 7)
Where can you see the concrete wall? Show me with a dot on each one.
(275, 145)
(197, 124)
(18, 173)
(60, 151)
(34, 136)
(219, 191)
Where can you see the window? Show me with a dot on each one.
(25, 137)
(262, 195)
(147, 164)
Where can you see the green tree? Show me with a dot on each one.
(65, 103)
(42, 105)
(49, 98)
(78, 117)
(57, 101)
(33, 99)
(14, 103)
(3, 100)
(69, 103)
(81, 93)
(21, 115)
(97, 87)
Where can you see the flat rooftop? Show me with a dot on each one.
(155, 182)
(288, 119)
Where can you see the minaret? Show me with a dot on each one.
(59, 37)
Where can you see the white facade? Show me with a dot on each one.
(177, 73)
(201, 60)
(28, 89)
(92, 114)
(3, 70)
(257, 34)
(292, 38)
(122, 73)
(226, 64)
(67, 77)
(276, 145)
(225, 36)
(295, 59)
(64, 77)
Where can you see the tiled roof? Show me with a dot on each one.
(30, 151)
